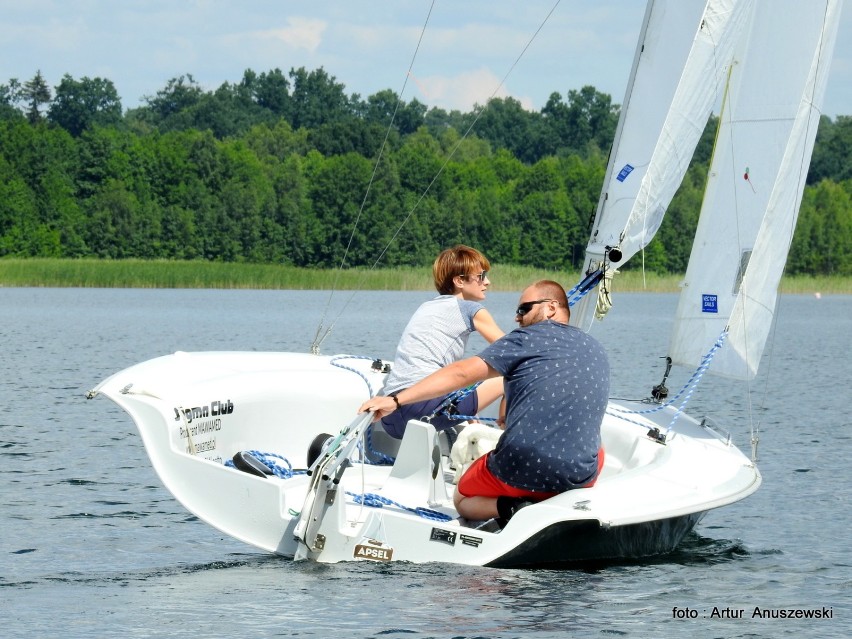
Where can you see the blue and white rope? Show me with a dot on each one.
(378, 501)
(585, 286)
(705, 363)
(688, 388)
(273, 462)
(454, 397)
(376, 458)
(335, 361)
(285, 471)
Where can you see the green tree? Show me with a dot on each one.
(17, 212)
(832, 156)
(10, 95)
(546, 219)
(226, 112)
(247, 198)
(121, 226)
(336, 191)
(541, 177)
(316, 99)
(505, 124)
(35, 93)
(385, 108)
(347, 136)
(438, 120)
(419, 162)
(79, 105)
(822, 243)
(593, 114)
(271, 91)
(178, 240)
(670, 249)
(704, 148)
(583, 178)
(45, 160)
(462, 151)
(104, 155)
(381, 108)
(276, 143)
(167, 108)
(589, 117)
(289, 236)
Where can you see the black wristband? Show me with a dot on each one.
(395, 401)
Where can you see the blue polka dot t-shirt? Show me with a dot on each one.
(557, 387)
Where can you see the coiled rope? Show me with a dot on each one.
(282, 468)
(378, 501)
(278, 465)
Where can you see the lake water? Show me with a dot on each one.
(94, 546)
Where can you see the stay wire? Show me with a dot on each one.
(465, 135)
(315, 346)
(317, 339)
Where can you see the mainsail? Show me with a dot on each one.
(679, 68)
(768, 123)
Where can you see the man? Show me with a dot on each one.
(556, 388)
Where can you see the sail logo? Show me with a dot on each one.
(709, 303)
(626, 170)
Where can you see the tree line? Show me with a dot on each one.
(288, 168)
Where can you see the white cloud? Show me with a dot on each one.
(463, 90)
(300, 33)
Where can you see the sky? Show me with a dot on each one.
(470, 50)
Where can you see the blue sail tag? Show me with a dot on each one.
(709, 303)
(626, 170)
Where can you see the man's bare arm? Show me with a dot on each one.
(442, 382)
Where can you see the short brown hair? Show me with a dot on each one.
(458, 260)
(553, 291)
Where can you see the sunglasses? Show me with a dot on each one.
(479, 277)
(526, 307)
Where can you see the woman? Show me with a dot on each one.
(436, 335)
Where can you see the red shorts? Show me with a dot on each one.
(478, 480)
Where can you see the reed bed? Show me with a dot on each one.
(94, 273)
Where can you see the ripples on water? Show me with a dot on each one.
(94, 546)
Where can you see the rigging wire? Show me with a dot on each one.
(319, 339)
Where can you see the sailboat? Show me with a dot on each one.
(239, 438)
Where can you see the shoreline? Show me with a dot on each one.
(135, 273)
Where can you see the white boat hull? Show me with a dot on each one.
(195, 411)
